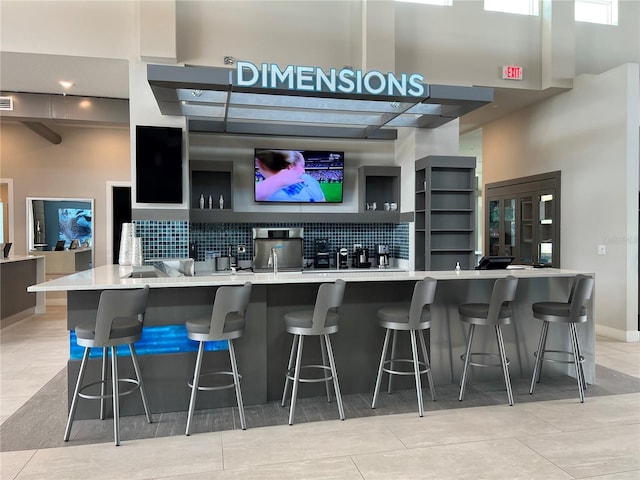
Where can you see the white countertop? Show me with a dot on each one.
(19, 258)
(115, 276)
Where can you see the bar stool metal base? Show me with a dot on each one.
(577, 359)
(419, 367)
(293, 372)
(116, 392)
(196, 386)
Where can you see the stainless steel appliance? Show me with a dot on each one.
(361, 258)
(342, 258)
(382, 255)
(322, 258)
(287, 243)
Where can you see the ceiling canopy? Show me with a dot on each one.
(213, 102)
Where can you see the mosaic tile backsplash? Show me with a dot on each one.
(170, 239)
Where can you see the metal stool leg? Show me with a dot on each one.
(385, 347)
(296, 379)
(576, 360)
(393, 356)
(324, 371)
(334, 374)
(505, 364)
(236, 382)
(74, 401)
(427, 363)
(463, 381)
(584, 380)
(103, 385)
(535, 378)
(416, 371)
(294, 346)
(143, 392)
(116, 397)
(194, 387)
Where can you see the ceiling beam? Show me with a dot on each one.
(44, 131)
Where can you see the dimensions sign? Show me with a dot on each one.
(314, 79)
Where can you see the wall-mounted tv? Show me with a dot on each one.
(298, 176)
(158, 164)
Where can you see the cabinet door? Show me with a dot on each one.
(525, 253)
(502, 226)
(545, 235)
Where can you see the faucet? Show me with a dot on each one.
(273, 260)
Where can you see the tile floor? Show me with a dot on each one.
(542, 439)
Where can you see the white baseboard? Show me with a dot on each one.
(620, 335)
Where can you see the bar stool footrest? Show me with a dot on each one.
(290, 374)
(121, 393)
(423, 367)
(215, 387)
(555, 360)
(484, 364)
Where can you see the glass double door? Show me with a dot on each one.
(523, 226)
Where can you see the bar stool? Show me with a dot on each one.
(415, 319)
(497, 312)
(572, 312)
(226, 322)
(119, 321)
(320, 322)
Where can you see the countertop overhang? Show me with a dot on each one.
(109, 277)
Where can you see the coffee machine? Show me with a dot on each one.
(361, 258)
(382, 255)
(342, 258)
(322, 258)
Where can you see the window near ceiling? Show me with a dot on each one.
(521, 7)
(597, 11)
(446, 3)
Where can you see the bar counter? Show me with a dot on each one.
(263, 351)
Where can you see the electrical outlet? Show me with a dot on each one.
(602, 249)
(242, 249)
(356, 246)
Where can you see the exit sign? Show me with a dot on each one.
(512, 72)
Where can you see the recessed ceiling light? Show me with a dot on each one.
(66, 84)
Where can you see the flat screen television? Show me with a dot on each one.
(158, 164)
(298, 176)
(75, 224)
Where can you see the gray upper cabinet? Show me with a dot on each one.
(522, 219)
(445, 204)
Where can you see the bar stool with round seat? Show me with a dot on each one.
(415, 320)
(119, 321)
(571, 313)
(320, 322)
(497, 312)
(227, 322)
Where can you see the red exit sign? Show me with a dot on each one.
(512, 72)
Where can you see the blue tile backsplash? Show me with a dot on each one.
(170, 239)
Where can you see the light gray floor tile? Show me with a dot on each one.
(137, 459)
(587, 453)
(341, 468)
(632, 475)
(308, 441)
(568, 415)
(12, 462)
(493, 459)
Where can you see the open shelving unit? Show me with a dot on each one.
(445, 212)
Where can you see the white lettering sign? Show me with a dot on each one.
(314, 79)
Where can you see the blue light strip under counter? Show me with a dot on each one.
(156, 340)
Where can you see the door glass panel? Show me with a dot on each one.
(509, 226)
(526, 230)
(545, 228)
(494, 227)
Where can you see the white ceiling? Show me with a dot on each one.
(109, 78)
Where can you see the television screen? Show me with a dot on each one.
(158, 164)
(298, 176)
(75, 224)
